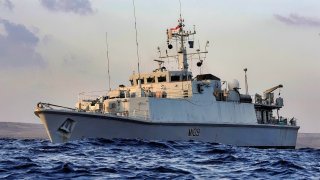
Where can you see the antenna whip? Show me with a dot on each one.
(180, 7)
(135, 26)
(108, 61)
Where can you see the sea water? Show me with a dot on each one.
(137, 159)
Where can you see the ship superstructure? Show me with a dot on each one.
(175, 105)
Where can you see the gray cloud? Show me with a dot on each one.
(18, 47)
(297, 20)
(7, 4)
(82, 7)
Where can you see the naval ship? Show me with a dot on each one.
(175, 105)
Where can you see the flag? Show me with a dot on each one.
(175, 30)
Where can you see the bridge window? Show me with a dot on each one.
(162, 79)
(142, 81)
(184, 78)
(150, 80)
(175, 78)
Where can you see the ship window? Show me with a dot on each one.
(122, 94)
(150, 80)
(184, 78)
(175, 78)
(131, 81)
(113, 105)
(162, 79)
(142, 81)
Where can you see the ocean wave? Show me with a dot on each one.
(140, 159)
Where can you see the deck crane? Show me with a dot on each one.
(269, 96)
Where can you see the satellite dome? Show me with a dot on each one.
(234, 84)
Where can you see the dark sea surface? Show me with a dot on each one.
(137, 159)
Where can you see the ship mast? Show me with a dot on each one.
(182, 36)
(183, 64)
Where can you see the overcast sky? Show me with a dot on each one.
(50, 50)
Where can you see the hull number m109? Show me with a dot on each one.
(194, 132)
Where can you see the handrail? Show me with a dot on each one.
(48, 105)
(90, 96)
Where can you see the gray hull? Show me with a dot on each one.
(63, 126)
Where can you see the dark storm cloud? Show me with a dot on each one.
(18, 47)
(7, 4)
(82, 7)
(297, 20)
